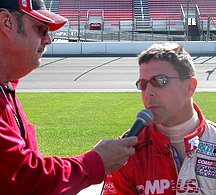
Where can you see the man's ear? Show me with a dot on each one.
(192, 84)
(6, 24)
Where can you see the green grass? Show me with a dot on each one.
(69, 124)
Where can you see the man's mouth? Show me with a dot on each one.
(42, 50)
(153, 107)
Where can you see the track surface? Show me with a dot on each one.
(107, 74)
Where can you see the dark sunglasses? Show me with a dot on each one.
(156, 81)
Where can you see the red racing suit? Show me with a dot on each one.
(155, 168)
(27, 171)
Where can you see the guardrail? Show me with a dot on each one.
(123, 48)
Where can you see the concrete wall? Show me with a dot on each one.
(122, 48)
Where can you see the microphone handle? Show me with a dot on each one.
(136, 128)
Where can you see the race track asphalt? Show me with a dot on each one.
(96, 74)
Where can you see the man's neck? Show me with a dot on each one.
(3, 80)
(177, 133)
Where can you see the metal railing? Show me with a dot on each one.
(154, 30)
(100, 36)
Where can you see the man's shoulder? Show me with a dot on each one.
(211, 125)
(210, 131)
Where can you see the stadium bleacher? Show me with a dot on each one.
(169, 9)
(113, 10)
(122, 9)
(149, 15)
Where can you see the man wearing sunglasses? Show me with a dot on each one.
(176, 154)
(24, 26)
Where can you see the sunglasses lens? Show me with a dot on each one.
(46, 31)
(159, 81)
(156, 81)
(141, 84)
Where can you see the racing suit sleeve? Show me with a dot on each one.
(27, 171)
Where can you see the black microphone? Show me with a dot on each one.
(144, 118)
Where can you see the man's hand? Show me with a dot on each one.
(115, 153)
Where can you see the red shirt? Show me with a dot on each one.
(27, 171)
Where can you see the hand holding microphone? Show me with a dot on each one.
(114, 153)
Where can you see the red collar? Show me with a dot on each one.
(14, 85)
(191, 141)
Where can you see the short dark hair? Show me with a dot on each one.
(173, 53)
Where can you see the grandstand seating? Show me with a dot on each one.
(171, 10)
(113, 10)
(122, 9)
(156, 15)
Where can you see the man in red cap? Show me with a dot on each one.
(24, 170)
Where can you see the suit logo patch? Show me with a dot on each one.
(206, 148)
(206, 168)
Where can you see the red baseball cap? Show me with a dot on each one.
(37, 10)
